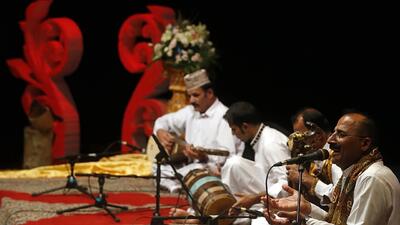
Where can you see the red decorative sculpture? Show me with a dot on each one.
(143, 107)
(53, 49)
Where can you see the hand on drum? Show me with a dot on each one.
(166, 139)
(214, 169)
(181, 212)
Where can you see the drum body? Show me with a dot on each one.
(209, 193)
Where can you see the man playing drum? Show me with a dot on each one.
(245, 175)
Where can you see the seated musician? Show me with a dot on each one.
(245, 175)
(368, 192)
(202, 124)
(311, 133)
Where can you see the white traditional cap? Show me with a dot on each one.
(196, 79)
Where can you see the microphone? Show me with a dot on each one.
(250, 211)
(320, 154)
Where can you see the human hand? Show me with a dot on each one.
(182, 213)
(275, 219)
(167, 140)
(245, 201)
(292, 174)
(191, 152)
(289, 204)
(215, 169)
(309, 181)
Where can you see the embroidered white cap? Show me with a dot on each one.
(196, 79)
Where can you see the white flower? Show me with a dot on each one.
(166, 36)
(186, 46)
(172, 44)
(178, 59)
(196, 57)
(185, 55)
(182, 39)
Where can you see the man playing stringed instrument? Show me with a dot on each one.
(203, 126)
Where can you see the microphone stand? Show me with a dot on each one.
(100, 200)
(301, 170)
(155, 220)
(161, 157)
(72, 182)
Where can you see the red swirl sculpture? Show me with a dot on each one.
(136, 35)
(52, 49)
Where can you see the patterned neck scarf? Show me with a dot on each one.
(342, 199)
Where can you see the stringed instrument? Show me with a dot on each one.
(177, 155)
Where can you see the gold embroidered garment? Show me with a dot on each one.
(342, 199)
(324, 173)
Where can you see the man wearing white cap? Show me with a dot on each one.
(202, 124)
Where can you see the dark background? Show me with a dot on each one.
(280, 57)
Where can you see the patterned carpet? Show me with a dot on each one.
(19, 207)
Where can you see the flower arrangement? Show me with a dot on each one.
(185, 46)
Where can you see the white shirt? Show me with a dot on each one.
(207, 130)
(376, 198)
(246, 176)
(270, 149)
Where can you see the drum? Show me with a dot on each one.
(209, 193)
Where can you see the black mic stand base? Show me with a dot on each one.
(157, 220)
(72, 183)
(100, 201)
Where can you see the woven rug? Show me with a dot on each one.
(19, 207)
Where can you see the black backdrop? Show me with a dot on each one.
(280, 57)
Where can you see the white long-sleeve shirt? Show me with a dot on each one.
(376, 199)
(207, 130)
(245, 176)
